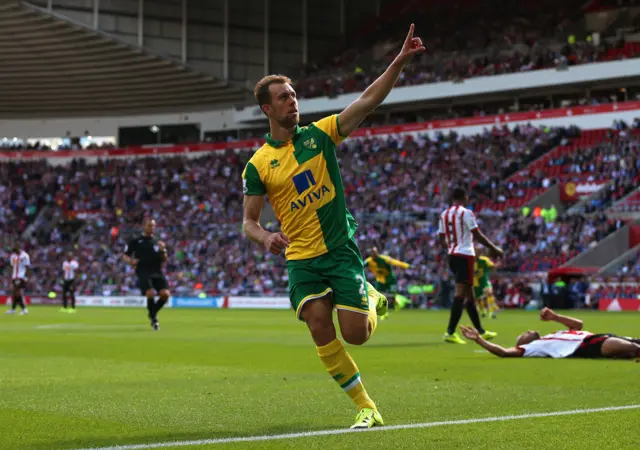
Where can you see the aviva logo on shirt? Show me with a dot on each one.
(303, 182)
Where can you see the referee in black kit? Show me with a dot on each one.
(147, 255)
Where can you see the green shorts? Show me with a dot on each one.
(480, 291)
(340, 272)
(390, 287)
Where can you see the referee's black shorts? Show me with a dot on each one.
(155, 281)
(462, 268)
(68, 286)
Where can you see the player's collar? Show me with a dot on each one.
(274, 143)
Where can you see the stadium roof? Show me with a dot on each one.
(51, 67)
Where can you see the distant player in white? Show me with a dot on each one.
(570, 343)
(20, 264)
(69, 272)
(457, 228)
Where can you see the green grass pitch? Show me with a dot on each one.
(103, 378)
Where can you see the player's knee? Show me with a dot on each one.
(164, 294)
(356, 338)
(150, 293)
(356, 335)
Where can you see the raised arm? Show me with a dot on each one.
(374, 95)
(571, 323)
(397, 262)
(472, 334)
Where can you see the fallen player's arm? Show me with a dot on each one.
(370, 99)
(472, 333)
(571, 323)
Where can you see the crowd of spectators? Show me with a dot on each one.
(395, 186)
(497, 38)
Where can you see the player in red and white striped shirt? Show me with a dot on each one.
(69, 272)
(20, 264)
(457, 229)
(570, 343)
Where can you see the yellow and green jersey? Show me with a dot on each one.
(302, 180)
(483, 266)
(382, 268)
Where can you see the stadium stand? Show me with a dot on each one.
(57, 68)
(490, 44)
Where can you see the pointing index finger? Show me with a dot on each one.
(409, 35)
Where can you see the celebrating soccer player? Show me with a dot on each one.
(298, 170)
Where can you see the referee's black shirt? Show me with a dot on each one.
(147, 251)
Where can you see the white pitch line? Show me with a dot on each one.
(274, 437)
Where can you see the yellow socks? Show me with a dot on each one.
(493, 306)
(342, 368)
(480, 304)
(373, 295)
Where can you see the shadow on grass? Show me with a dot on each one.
(401, 344)
(167, 438)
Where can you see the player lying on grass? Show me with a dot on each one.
(570, 343)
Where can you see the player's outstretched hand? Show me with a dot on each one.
(162, 246)
(275, 242)
(547, 314)
(412, 46)
(469, 333)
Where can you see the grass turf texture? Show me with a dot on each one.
(103, 377)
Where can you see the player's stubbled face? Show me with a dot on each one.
(284, 105)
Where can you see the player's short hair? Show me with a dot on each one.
(261, 91)
(459, 194)
(527, 337)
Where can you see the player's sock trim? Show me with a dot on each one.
(351, 382)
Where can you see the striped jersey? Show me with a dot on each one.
(69, 269)
(302, 181)
(555, 345)
(19, 264)
(457, 224)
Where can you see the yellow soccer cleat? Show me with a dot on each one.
(453, 338)
(367, 418)
(382, 305)
(488, 335)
